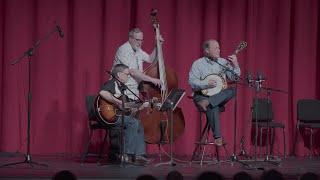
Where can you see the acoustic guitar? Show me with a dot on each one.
(108, 112)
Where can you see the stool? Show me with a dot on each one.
(204, 140)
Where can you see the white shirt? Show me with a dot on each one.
(134, 60)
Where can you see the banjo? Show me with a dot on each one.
(221, 82)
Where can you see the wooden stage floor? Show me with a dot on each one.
(291, 168)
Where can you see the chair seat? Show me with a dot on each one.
(98, 126)
(271, 124)
(309, 125)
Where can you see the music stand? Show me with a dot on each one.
(169, 105)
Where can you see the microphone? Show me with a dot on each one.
(61, 34)
(259, 81)
(249, 78)
(260, 77)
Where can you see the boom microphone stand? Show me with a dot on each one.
(257, 84)
(29, 53)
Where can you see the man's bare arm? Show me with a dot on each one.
(139, 76)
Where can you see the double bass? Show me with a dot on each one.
(156, 124)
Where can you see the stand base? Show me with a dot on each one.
(27, 160)
(169, 163)
(244, 163)
(269, 160)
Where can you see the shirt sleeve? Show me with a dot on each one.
(143, 56)
(109, 86)
(121, 57)
(195, 78)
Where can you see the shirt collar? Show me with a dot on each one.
(131, 49)
(208, 60)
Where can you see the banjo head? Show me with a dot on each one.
(220, 85)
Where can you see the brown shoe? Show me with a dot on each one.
(218, 141)
(203, 104)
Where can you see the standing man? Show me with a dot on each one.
(131, 54)
(212, 63)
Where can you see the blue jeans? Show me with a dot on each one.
(213, 110)
(133, 137)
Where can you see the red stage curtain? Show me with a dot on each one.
(283, 44)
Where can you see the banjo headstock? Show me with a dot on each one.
(240, 47)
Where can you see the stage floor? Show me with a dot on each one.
(291, 167)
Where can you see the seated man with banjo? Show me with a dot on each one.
(109, 109)
(207, 78)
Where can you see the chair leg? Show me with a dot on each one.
(102, 145)
(194, 151)
(85, 153)
(271, 141)
(295, 142)
(201, 133)
(199, 146)
(260, 147)
(159, 152)
(284, 143)
(217, 153)
(311, 143)
(204, 141)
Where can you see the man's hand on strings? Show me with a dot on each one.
(160, 39)
(233, 59)
(212, 83)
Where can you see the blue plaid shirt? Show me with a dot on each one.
(204, 66)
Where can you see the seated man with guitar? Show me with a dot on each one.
(207, 78)
(134, 145)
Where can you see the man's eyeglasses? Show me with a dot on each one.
(139, 40)
(125, 73)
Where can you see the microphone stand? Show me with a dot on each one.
(122, 88)
(236, 79)
(29, 53)
(258, 87)
(268, 159)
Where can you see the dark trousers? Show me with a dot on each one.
(133, 137)
(213, 110)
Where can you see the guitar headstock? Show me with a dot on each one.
(154, 18)
(240, 47)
